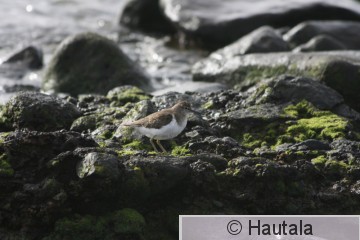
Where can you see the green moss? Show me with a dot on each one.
(123, 95)
(336, 166)
(263, 136)
(308, 123)
(5, 167)
(79, 228)
(133, 147)
(137, 145)
(328, 126)
(313, 123)
(330, 166)
(251, 141)
(122, 223)
(107, 134)
(137, 186)
(180, 151)
(208, 105)
(249, 75)
(301, 110)
(128, 221)
(319, 161)
(3, 136)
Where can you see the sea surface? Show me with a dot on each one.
(45, 23)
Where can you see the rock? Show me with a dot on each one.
(162, 173)
(218, 24)
(201, 87)
(320, 43)
(337, 69)
(217, 162)
(30, 57)
(345, 32)
(254, 115)
(346, 146)
(84, 123)
(20, 87)
(146, 16)
(262, 40)
(37, 111)
(34, 149)
(99, 164)
(125, 94)
(311, 144)
(101, 66)
(295, 89)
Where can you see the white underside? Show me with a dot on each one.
(166, 132)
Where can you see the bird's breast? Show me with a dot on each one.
(168, 131)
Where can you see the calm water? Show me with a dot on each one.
(45, 23)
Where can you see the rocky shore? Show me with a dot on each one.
(281, 137)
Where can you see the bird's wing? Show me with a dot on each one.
(152, 122)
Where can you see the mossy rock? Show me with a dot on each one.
(308, 123)
(123, 224)
(5, 168)
(84, 123)
(128, 220)
(80, 228)
(90, 63)
(339, 70)
(124, 94)
(99, 164)
(37, 111)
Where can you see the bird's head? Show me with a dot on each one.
(184, 106)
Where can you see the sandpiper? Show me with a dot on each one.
(163, 125)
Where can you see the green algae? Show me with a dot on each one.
(5, 167)
(180, 151)
(330, 166)
(122, 95)
(308, 123)
(319, 161)
(208, 105)
(137, 186)
(133, 147)
(313, 123)
(127, 223)
(128, 220)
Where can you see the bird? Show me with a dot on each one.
(164, 124)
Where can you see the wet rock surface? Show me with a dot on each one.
(196, 18)
(344, 32)
(277, 130)
(258, 151)
(337, 69)
(103, 67)
(37, 111)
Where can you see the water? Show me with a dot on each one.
(45, 23)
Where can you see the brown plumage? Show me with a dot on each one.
(165, 124)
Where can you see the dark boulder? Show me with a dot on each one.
(30, 57)
(145, 15)
(37, 111)
(320, 43)
(345, 32)
(339, 70)
(295, 89)
(90, 63)
(262, 40)
(217, 24)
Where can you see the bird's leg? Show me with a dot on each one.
(153, 144)
(161, 146)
